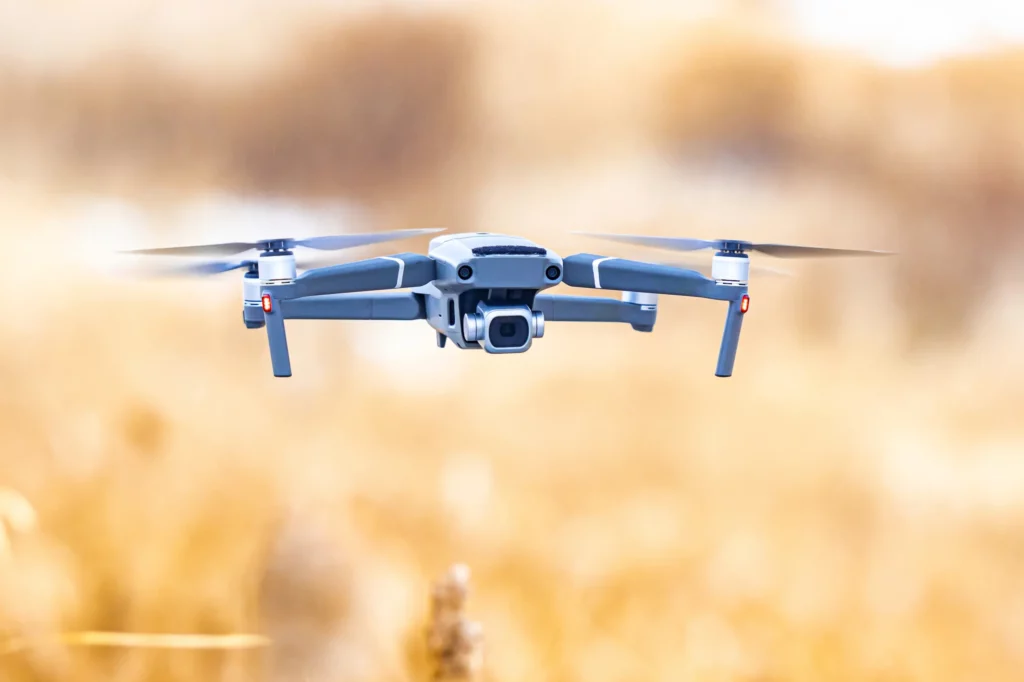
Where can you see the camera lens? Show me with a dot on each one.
(553, 272)
(465, 272)
(509, 331)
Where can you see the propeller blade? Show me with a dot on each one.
(192, 269)
(226, 249)
(214, 268)
(791, 251)
(776, 250)
(207, 268)
(673, 243)
(327, 243)
(353, 240)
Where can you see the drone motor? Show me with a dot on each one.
(730, 268)
(646, 301)
(252, 303)
(277, 267)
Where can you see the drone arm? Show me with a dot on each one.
(278, 341)
(391, 272)
(598, 272)
(388, 272)
(591, 309)
(372, 306)
(730, 339)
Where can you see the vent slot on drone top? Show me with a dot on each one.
(510, 250)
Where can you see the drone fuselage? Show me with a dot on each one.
(484, 292)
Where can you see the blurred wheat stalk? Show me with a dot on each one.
(455, 643)
(139, 640)
(19, 518)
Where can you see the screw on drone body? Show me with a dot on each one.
(455, 643)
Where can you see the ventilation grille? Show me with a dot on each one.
(509, 251)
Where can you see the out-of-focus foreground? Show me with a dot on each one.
(849, 506)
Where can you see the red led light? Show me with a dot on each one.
(267, 306)
(744, 303)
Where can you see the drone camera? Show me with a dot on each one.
(508, 331)
(503, 329)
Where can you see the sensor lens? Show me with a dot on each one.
(553, 272)
(509, 331)
(465, 272)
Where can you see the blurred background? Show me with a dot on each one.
(848, 506)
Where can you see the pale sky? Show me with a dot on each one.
(909, 32)
(898, 32)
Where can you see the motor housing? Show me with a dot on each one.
(644, 300)
(277, 267)
(252, 307)
(647, 303)
(730, 268)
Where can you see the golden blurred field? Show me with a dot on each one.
(849, 506)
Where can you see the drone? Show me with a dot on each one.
(481, 290)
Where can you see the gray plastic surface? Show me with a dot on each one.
(619, 274)
(730, 340)
(370, 306)
(557, 308)
(404, 270)
(278, 341)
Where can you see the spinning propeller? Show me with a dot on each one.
(732, 246)
(269, 247)
(216, 267)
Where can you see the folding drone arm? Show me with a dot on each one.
(374, 274)
(599, 272)
(558, 308)
(389, 305)
(618, 274)
(298, 299)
